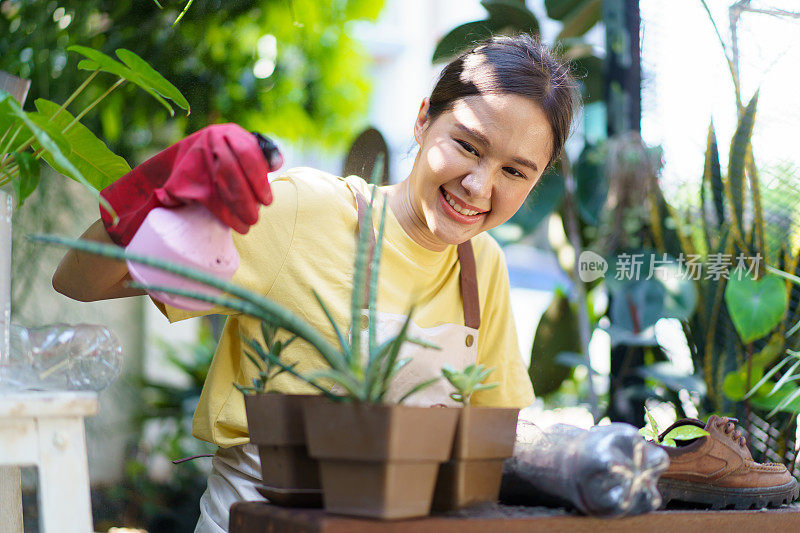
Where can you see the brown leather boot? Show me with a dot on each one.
(717, 470)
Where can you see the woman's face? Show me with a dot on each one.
(476, 164)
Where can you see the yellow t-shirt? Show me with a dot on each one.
(306, 240)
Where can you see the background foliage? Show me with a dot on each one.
(317, 92)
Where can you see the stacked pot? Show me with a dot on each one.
(378, 460)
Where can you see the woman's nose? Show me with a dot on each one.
(478, 182)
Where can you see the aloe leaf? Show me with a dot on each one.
(339, 335)
(158, 82)
(785, 378)
(307, 379)
(357, 295)
(394, 351)
(256, 305)
(485, 386)
(100, 166)
(28, 178)
(417, 388)
(256, 362)
(344, 379)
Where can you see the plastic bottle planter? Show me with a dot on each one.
(275, 423)
(190, 236)
(483, 441)
(379, 460)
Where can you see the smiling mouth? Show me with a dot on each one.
(456, 210)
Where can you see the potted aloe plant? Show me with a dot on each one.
(484, 440)
(290, 476)
(376, 459)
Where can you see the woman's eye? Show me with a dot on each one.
(514, 172)
(468, 147)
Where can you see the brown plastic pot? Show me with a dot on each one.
(275, 422)
(379, 460)
(484, 440)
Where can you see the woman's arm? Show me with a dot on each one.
(87, 278)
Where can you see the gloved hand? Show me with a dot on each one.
(222, 167)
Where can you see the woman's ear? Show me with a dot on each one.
(422, 119)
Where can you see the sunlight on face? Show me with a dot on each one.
(477, 163)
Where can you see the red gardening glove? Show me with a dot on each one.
(223, 167)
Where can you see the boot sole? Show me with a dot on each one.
(687, 492)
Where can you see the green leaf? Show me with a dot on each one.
(670, 377)
(651, 421)
(463, 37)
(755, 307)
(417, 388)
(581, 18)
(28, 178)
(772, 371)
(591, 183)
(158, 82)
(99, 60)
(687, 432)
(740, 143)
(668, 442)
(712, 174)
(509, 13)
(589, 72)
(559, 9)
(786, 402)
(545, 198)
(100, 166)
(557, 332)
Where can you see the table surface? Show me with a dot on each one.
(259, 517)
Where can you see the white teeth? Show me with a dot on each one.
(457, 207)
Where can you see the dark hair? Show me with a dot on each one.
(518, 65)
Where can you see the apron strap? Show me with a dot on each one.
(469, 286)
(466, 259)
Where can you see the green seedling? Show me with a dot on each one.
(651, 432)
(467, 382)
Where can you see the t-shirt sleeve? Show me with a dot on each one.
(498, 345)
(262, 250)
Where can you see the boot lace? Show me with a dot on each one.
(728, 426)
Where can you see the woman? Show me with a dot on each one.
(496, 120)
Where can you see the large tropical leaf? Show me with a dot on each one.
(581, 18)
(98, 60)
(755, 307)
(589, 72)
(462, 37)
(559, 9)
(510, 13)
(158, 82)
(99, 165)
(591, 183)
(545, 198)
(557, 332)
(28, 178)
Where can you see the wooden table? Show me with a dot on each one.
(258, 517)
(45, 429)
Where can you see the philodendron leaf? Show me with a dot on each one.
(461, 37)
(28, 178)
(98, 60)
(511, 13)
(685, 433)
(581, 18)
(99, 165)
(158, 82)
(755, 307)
